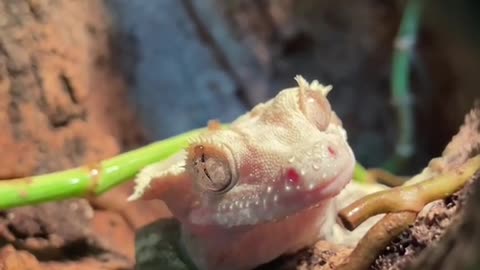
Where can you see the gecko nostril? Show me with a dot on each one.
(292, 176)
(332, 151)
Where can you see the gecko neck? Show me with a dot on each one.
(246, 247)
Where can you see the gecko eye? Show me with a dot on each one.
(316, 108)
(212, 171)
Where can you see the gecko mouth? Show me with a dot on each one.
(319, 195)
(335, 185)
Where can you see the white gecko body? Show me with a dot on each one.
(263, 187)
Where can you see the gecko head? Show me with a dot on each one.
(285, 156)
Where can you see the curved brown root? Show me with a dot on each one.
(384, 177)
(376, 239)
(409, 197)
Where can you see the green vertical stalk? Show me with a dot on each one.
(400, 84)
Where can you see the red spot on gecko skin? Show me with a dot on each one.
(332, 151)
(293, 176)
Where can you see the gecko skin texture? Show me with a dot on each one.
(260, 188)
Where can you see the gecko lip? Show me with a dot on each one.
(336, 184)
(332, 187)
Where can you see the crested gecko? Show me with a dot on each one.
(267, 185)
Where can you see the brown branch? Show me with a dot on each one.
(410, 197)
(376, 239)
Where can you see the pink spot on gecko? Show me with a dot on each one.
(332, 151)
(292, 176)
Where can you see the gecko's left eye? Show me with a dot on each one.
(316, 108)
(212, 171)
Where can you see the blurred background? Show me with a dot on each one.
(190, 61)
(82, 80)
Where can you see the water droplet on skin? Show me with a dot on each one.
(287, 188)
(302, 172)
(315, 166)
(311, 186)
(291, 159)
(269, 189)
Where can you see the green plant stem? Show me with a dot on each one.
(361, 175)
(88, 180)
(400, 89)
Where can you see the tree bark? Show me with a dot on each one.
(62, 104)
(460, 247)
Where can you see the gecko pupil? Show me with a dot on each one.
(205, 171)
(207, 174)
(213, 173)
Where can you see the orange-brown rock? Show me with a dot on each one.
(10, 259)
(114, 233)
(137, 213)
(62, 104)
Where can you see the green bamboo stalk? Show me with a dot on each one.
(400, 88)
(88, 180)
(361, 175)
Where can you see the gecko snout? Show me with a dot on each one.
(317, 166)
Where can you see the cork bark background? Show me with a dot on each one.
(62, 104)
(82, 80)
